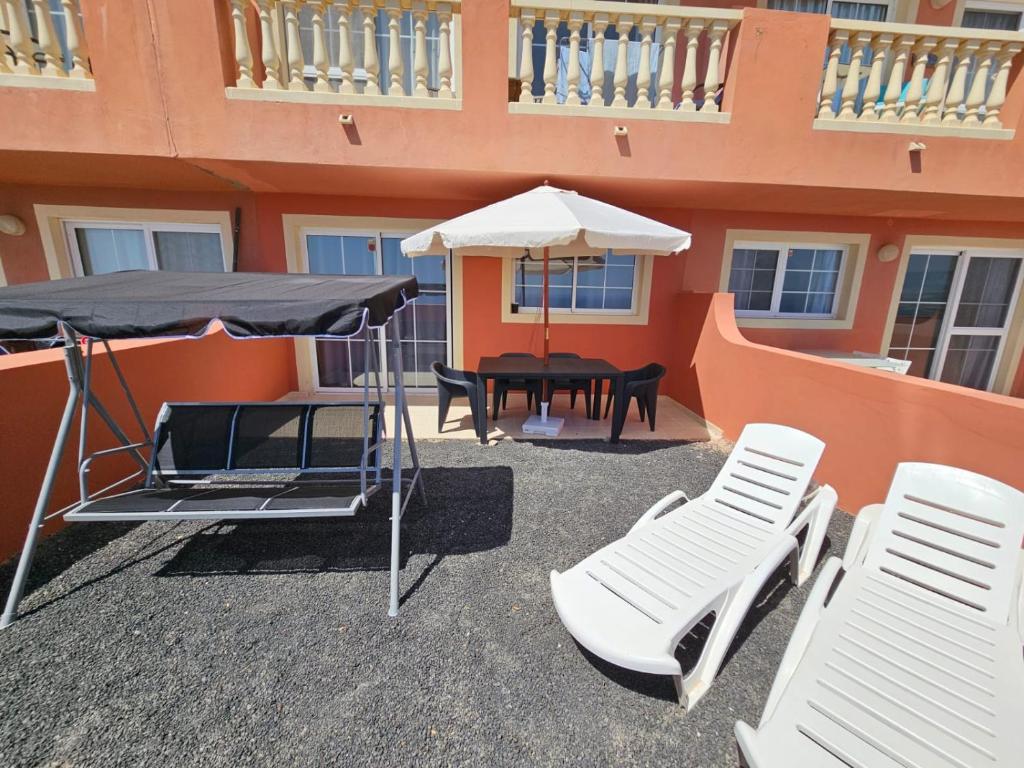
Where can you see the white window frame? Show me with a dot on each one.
(148, 228)
(783, 249)
(986, 5)
(950, 329)
(572, 310)
(382, 357)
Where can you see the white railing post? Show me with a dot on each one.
(893, 89)
(551, 20)
(444, 44)
(599, 25)
(915, 91)
(997, 96)
(48, 44)
(667, 71)
(75, 40)
(934, 98)
(421, 68)
(716, 34)
(243, 54)
(268, 47)
(395, 66)
(979, 85)
(346, 62)
(293, 46)
(643, 75)
(830, 82)
(688, 84)
(623, 25)
(880, 47)
(371, 64)
(851, 86)
(320, 59)
(572, 75)
(20, 38)
(527, 20)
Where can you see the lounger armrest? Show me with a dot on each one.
(813, 502)
(802, 633)
(746, 741)
(863, 528)
(673, 498)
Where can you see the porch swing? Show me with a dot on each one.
(222, 461)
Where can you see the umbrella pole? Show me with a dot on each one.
(547, 303)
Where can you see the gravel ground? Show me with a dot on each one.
(267, 643)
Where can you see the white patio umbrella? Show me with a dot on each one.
(559, 222)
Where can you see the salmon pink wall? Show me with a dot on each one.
(34, 387)
(869, 420)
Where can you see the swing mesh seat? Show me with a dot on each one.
(252, 460)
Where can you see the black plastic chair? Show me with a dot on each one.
(532, 388)
(641, 385)
(452, 383)
(572, 386)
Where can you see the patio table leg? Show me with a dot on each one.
(482, 398)
(618, 412)
(598, 389)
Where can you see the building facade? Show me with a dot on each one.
(850, 172)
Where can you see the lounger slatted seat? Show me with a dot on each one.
(909, 651)
(233, 461)
(632, 602)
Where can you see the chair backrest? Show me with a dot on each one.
(452, 375)
(195, 439)
(767, 474)
(952, 533)
(650, 371)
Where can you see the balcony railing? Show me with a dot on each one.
(381, 52)
(618, 59)
(906, 77)
(42, 45)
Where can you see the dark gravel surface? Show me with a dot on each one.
(268, 643)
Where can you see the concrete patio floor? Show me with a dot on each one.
(268, 643)
(674, 422)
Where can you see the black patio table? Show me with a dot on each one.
(492, 368)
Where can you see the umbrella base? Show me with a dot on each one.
(539, 425)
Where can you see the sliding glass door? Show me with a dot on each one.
(954, 314)
(339, 364)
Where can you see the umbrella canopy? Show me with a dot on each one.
(567, 223)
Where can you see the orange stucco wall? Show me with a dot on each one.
(34, 388)
(869, 420)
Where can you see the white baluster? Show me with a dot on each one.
(371, 64)
(893, 89)
(598, 25)
(54, 66)
(667, 71)
(933, 100)
(551, 19)
(320, 59)
(623, 26)
(643, 75)
(75, 41)
(880, 47)
(997, 96)
(420, 67)
(716, 35)
(395, 66)
(858, 46)
(572, 76)
(444, 45)
(915, 90)
(346, 61)
(527, 20)
(694, 29)
(830, 82)
(20, 38)
(958, 88)
(979, 85)
(268, 47)
(293, 46)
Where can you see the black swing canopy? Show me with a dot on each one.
(143, 304)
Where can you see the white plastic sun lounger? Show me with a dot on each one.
(632, 602)
(908, 652)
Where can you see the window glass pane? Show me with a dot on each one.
(938, 277)
(1008, 21)
(927, 325)
(805, 6)
(841, 9)
(810, 281)
(988, 288)
(914, 277)
(111, 250)
(793, 302)
(341, 254)
(752, 278)
(969, 360)
(189, 251)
